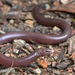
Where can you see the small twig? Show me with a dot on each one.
(10, 69)
(25, 50)
(3, 45)
(29, 47)
(5, 48)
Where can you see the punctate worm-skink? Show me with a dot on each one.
(39, 38)
(19, 62)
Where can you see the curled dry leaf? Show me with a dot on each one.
(64, 8)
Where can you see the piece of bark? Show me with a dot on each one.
(63, 64)
(64, 43)
(70, 43)
(70, 48)
(14, 15)
(8, 28)
(60, 57)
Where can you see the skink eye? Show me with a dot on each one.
(47, 51)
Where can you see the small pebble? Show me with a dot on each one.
(15, 24)
(29, 16)
(29, 23)
(64, 1)
(55, 28)
(42, 63)
(55, 57)
(24, 73)
(56, 3)
(15, 1)
(12, 55)
(70, 74)
(42, 58)
(49, 62)
(21, 70)
(49, 69)
(50, 46)
(52, 59)
(22, 55)
(69, 69)
(32, 65)
(18, 43)
(34, 2)
(23, 9)
(47, 6)
(7, 54)
(40, 47)
(16, 51)
(53, 63)
(38, 71)
(11, 21)
(47, 16)
(56, 72)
